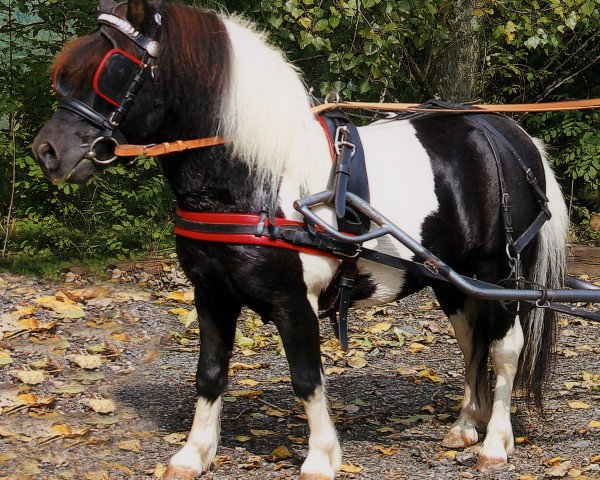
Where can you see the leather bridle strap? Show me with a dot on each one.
(167, 147)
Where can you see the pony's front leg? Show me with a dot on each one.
(298, 326)
(499, 440)
(217, 320)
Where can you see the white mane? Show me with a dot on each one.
(266, 115)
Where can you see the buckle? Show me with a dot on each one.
(341, 253)
(340, 141)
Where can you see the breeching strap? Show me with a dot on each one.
(155, 150)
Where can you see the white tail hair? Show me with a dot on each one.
(549, 270)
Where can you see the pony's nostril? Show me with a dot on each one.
(47, 156)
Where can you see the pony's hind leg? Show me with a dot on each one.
(475, 411)
(499, 440)
(217, 319)
(463, 313)
(298, 326)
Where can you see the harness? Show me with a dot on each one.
(347, 191)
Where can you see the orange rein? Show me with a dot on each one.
(182, 145)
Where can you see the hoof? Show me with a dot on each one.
(489, 463)
(455, 440)
(179, 473)
(314, 476)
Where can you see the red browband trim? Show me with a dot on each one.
(241, 238)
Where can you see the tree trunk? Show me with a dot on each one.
(456, 72)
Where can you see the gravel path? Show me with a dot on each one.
(393, 396)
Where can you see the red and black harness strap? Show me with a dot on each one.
(259, 229)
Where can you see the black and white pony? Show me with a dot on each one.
(434, 176)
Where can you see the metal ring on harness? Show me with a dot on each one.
(92, 154)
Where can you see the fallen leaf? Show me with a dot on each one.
(5, 358)
(130, 445)
(243, 438)
(69, 389)
(297, 440)
(248, 382)
(579, 405)
(101, 405)
(416, 347)
(175, 438)
(31, 377)
(88, 362)
(281, 453)
(429, 374)
(334, 370)
(386, 450)
(245, 393)
(69, 431)
(181, 297)
(380, 327)
(560, 470)
(261, 433)
(594, 424)
(350, 468)
(450, 454)
(357, 362)
(159, 470)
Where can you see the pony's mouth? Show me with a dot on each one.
(80, 173)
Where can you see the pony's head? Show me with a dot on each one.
(133, 79)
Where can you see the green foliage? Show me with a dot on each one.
(121, 213)
(366, 50)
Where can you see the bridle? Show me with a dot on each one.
(109, 123)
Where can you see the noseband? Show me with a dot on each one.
(109, 124)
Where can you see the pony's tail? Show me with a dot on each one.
(549, 269)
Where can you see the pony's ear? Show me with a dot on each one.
(106, 6)
(138, 12)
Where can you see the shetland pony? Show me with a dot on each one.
(435, 176)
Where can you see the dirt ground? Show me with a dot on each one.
(96, 382)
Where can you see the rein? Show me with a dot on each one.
(166, 148)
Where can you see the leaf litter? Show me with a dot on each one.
(113, 365)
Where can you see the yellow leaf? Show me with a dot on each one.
(334, 370)
(179, 311)
(101, 405)
(5, 358)
(386, 429)
(450, 454)
(260, 433)
(25, 312)
(31, 377)
(357, 362)
(245, 393)
(175, 438)
(243, 438)
(430, 375)
(297, 440)
(527, 477)
(130, 445)
(88, 362)
(595, 459)
(594, 424)
(380, 327)
(120, 337)
(386, 450)
(69, 431)
(245, 366)
(350, 468)
(417, 347)
(182, 297)
(248, 382)
(281, 453)
(579, 405)
(159, 470)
